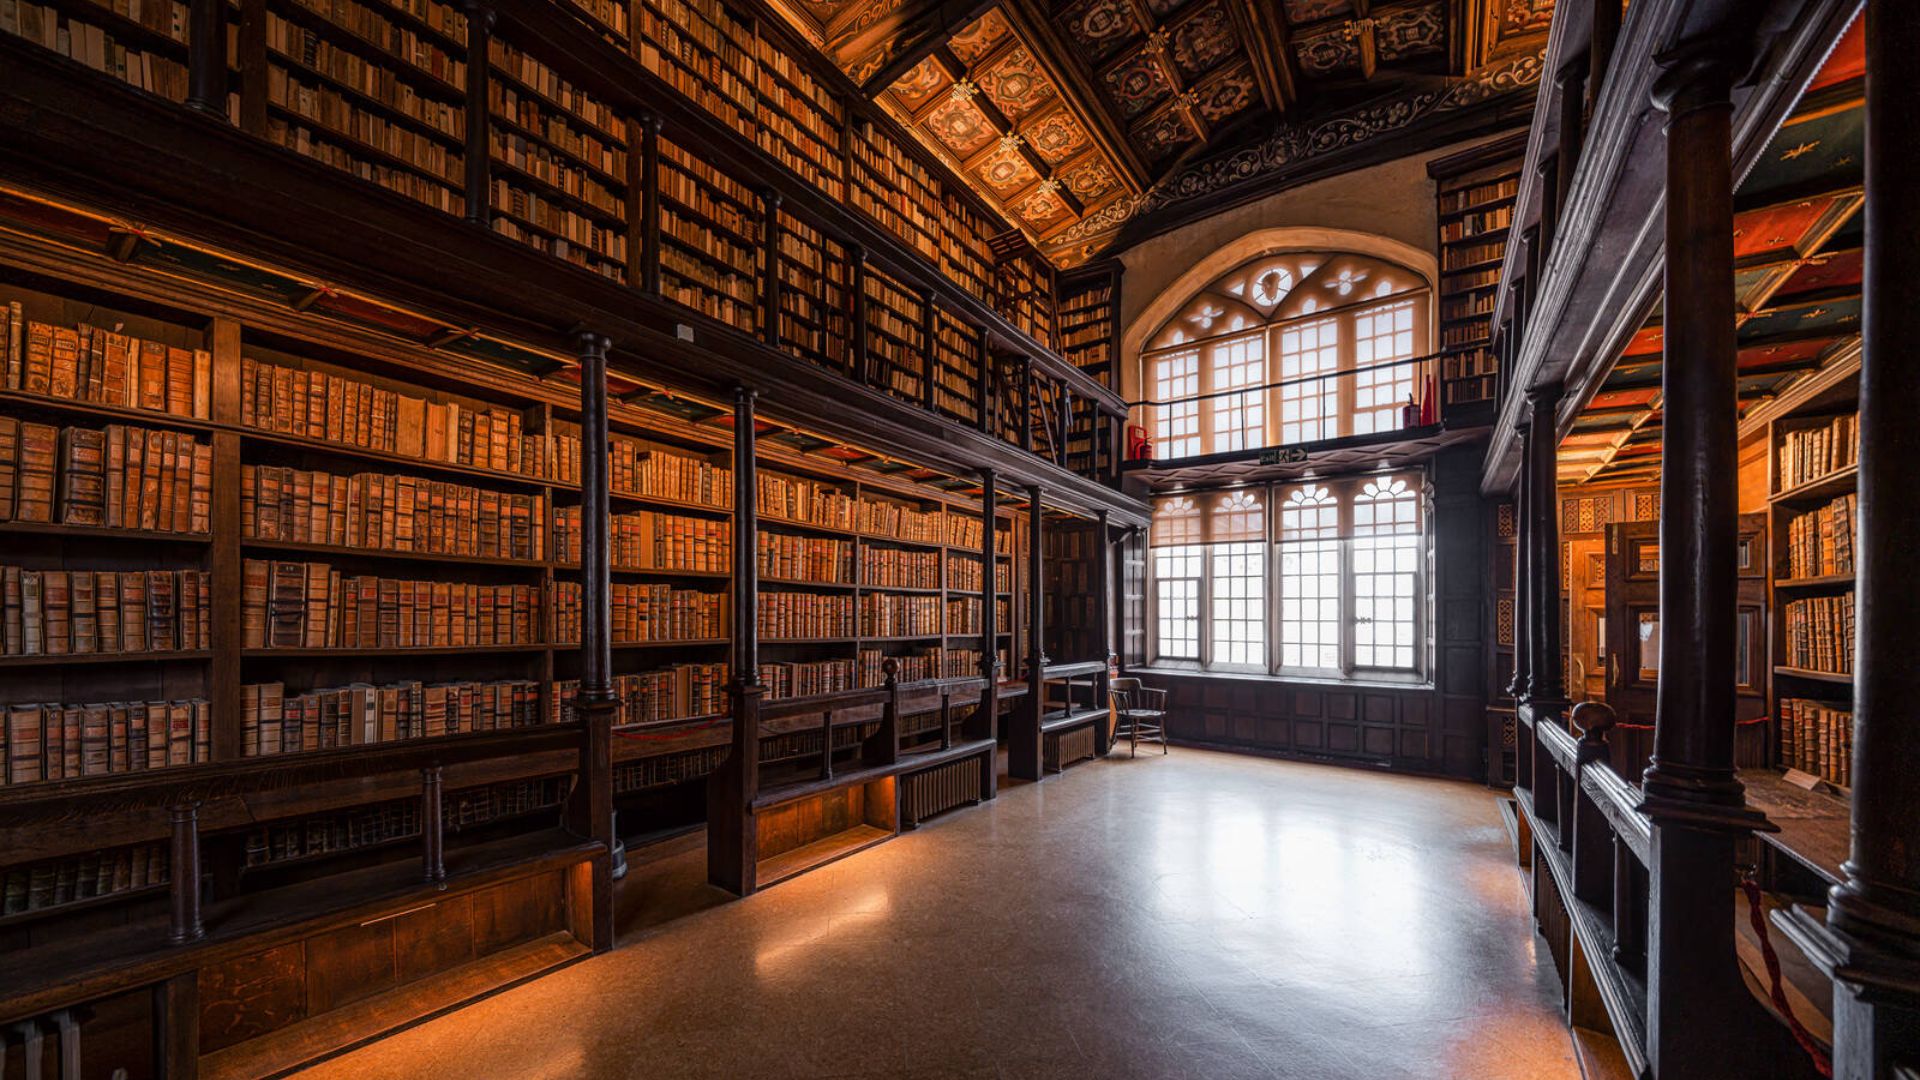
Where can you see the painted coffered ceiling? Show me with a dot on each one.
(1073, 117)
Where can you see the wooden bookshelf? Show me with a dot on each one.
(1024, 292)
(816, 298)
(142, 44)
(888, 184)
(955, 359)
(1090, 320)
(1813, 516)
(896, 337)
(710, 243)
(1475, 192)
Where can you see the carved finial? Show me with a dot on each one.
(1156, 42)
(1011, 142)
(964, 90)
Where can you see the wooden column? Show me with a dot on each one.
(986, 721)
(183, 869)
(1701, 1021)
(857, 289)
(433, 862)
(1522, 575)
(1026, 405)
(1606, 33)
(1103, 618)
(732, 840)
(1870, 942)
(596, 703)
(1023, 742)
(207, 57)
(649, 154)
(985, 386)
(1572, 83)
(929, 360)
(478, 155)
(770, 279)
(1546, 679)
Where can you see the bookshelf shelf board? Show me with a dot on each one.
(1455, 320)
(1824, 581)
(546, 189)
(1836, 482)
(39, 528)
(509, 124)
(1468, 268)
(682, 208)
(904, 637)
(58, 910)
(1484, 204)
(1818, 676)
(346, 552)
(418, 77)
(581, 247)
(1481, 237)
(146, 417)
(413, 462)
(124, 31)
(836, 585)
(635, 498)
(361, 100)
(645, 572)
(454, 46)
(365, 151)
(411, 650)
(907, 589)
(177, 656)
(809, 640)
(707, 258)
(1814, 825)
(677, 725)
(878, 538)
(803, 526)
(820, 852)
(572, 118)
(1458, 290)
(676, 643)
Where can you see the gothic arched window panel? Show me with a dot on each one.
(1289, 348)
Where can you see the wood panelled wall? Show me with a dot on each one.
(1437, 727)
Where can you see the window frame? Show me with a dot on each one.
(1345, 491)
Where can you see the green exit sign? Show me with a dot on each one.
(1283, 455)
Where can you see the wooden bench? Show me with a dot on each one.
(1063, 720)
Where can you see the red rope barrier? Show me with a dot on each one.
(1777, 990)
(1624, 726)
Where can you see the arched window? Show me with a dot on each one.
(1290, 348)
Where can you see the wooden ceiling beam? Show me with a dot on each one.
(1265, 33)
(1081, 95)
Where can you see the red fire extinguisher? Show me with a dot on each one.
(1139, 443)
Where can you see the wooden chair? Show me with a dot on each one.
(1141, 712)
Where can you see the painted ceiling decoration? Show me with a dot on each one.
(1074, 117)
(1797, 273)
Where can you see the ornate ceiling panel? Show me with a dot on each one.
(1115, 101)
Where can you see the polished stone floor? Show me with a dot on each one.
(1197, 915)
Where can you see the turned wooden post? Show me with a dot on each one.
(183, 870)
(731, 834)
(433, 860)
(207, 57)
(1870, 941)
(1701, 1021)
(1023, 742)
(649, 153)
(595, 702)
(476, 154)
(1103, 618)
(770, 276)
(857, 296)
(1546, 681)
(986, 721)
(1522, 598)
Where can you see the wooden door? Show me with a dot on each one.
(1632, 620)
(1586, 619)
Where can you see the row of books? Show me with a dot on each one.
(98, 48)
(1821, 542)
(423, 54)
(555, 169)
(963, 574)
(891, 615)
(808, 502)
(588, 145)
(963, 614)
(369, 826)
(313, 142)
(310, 605)
(788, 557)
(651, 540)
(807, 679)
(921, 666)
(643, 613)
(335, 113)
(87, 612)
(1457, 258)
(389, 513)
(1809, 453)
(805, 615)
(119, 477)
(680, 692)
(576, 105)
(1024, 294)
(634, 468)
(891, 187)
(105, 367)
(557, 229)
(274, 720)
(963, 531)
(1817, 737)
(380, 82)
(338, 409)
(664, 769)
(1471, 225)
(879, 517)
(1820, 633)
(899, 568)
(67, 742)
(1453, 202)
(69, 880)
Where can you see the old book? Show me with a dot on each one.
(9, 465)
(83, 477)
(65, 360)
(56, 595)
(84, 615)
(39, 446)
(24, 742)
(37, 363)
(14, 341)
(153, 375)
(134, 629)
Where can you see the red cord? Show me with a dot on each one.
(1778, 991)
(1624, 726)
